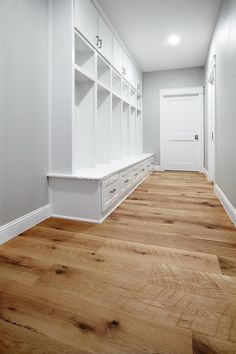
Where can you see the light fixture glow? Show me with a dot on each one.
(174, 39)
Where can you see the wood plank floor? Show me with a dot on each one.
(158, 277)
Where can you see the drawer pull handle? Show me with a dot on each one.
(136, 174)
(113, 191)
(143, 169)
(126, 181)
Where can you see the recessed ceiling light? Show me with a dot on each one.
(174, 39)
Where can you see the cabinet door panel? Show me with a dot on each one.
(139, 86)
(117, 58)
(86, 18)
(127, 67)
(105, 36)
(134, 80)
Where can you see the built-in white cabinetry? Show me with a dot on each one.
(105, 39)
(86, 20)
(117, 56)
(139, 82)
(96, 196)
(90, 23)
(127, 67)
(96, 115)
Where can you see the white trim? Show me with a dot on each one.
(93, 221)
(229, 208)
(206, 174)
(181, 91)
(25, 222)
(158, 168)
(211, 68)
(211, 117)
(198, 90)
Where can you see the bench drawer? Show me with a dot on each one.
(110, 192)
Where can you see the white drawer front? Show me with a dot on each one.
(110, 192)
(125, 181)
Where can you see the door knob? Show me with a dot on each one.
(196, 137)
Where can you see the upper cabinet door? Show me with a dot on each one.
(117, 56)
(140, 82)
(126, 67)
(105, 39)
(85, 19)
(134, 77)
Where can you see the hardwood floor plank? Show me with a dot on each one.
(228, 265)
(158, 276)
(21, 268)
(21, 340)
(133, 253)
(88, 326)
(209, 345)
(209, 316)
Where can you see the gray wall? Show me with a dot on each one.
(224, 46)
(23, 107)
(152, 83)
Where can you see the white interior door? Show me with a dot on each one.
(182, 129)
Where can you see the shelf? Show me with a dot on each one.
(84, 56)
(116, 96)
(102, 88)
(125, 103)
(82, 76)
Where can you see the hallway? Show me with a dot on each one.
(158, 276)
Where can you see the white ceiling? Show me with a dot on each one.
(144, 27)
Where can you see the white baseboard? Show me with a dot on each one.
(17, 226)
(206, 174)
(229, 208)
(59, 216)
(158, 168)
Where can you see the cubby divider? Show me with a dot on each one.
(103, 127)
(116, 128)
(116, 84)
(132, 130)
(125, 130)
(103, 72)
